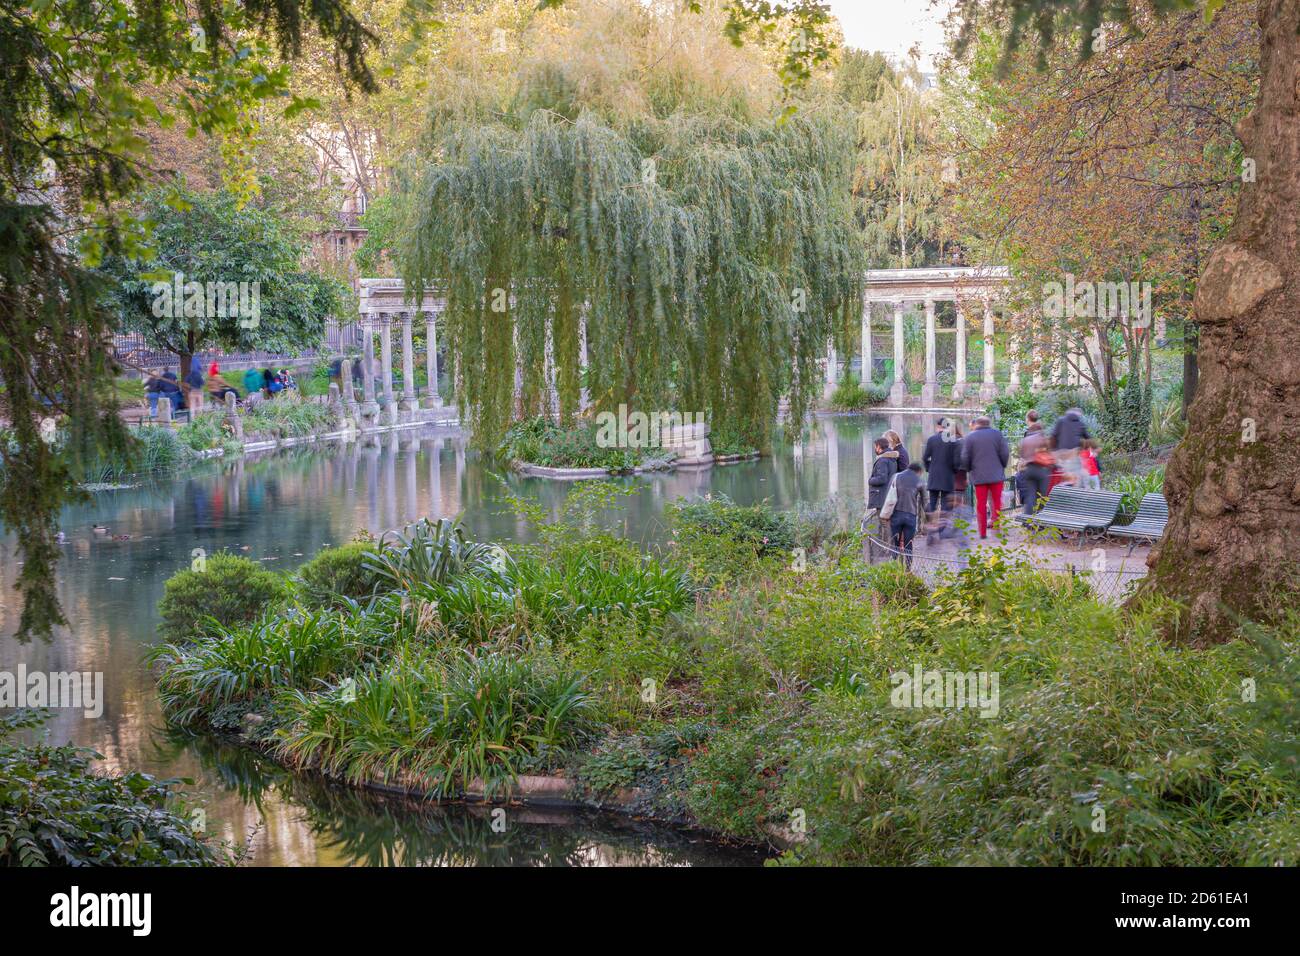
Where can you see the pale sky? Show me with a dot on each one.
(893, 26)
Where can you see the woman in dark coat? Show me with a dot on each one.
(882, 473)
(896, 444)
(940, 459)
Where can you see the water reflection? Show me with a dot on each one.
(282, 508)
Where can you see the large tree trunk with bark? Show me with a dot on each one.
(1233, 484)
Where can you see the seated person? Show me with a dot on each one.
(157, 386)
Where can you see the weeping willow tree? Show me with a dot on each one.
(618, 189)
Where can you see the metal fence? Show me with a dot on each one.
(133, 351)
(1111, 582)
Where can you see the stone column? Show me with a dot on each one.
(959, 382)
(898, 394)
(1036, 379)
(866, 344)
(1013, 379)
(369, 407)
(930, 387)
(408, 363)
(386, 363)
(433, 399)
(832, 369)
(988, 388)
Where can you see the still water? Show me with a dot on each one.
(281, 509)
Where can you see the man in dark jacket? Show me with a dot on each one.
(902, 523)
(1070, 431)
(882, 473)
(984, 455)
(940, 459)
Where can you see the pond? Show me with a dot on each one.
(281, 509)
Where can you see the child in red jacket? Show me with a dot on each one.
(1091, 467)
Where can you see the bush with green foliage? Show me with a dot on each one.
(229, 590)
(538, 441)
(851, 396)
(337, 575)
(55, 810)
(1134, 486)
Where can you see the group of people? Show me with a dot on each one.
(191, 392)
(953, 463)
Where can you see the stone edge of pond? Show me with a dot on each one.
(540, 790)
(557, 793)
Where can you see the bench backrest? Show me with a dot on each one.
(1085, 504)
(1154, 507)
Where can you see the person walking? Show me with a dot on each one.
(1036, 463)
(902, 523)
(192, 389)
(985, 454)
(1068, 435)
(940, 462)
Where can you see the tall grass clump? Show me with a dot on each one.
(237, 666)
(439, 725)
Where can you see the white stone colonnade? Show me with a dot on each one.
(968, 289)
(383, 303)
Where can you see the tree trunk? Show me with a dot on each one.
(1191, 371)
(1234, 529)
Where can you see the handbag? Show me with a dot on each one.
(891, 499)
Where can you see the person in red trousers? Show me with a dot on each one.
(984, 455)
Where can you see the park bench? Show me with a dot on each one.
(1148, 524)
(1073, 509)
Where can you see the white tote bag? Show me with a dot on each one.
(891, 499)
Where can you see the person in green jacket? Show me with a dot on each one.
(252, 381)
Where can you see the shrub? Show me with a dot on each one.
(851, 396)
(719, 541)
(229, 591)
(338, 573)
(1133, 487)
(538, 441)
(56, 811)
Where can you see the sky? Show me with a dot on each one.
(893, 26)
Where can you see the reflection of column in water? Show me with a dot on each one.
(390, 483)
(458, 504)
(832, 456)
(372, 486)
(412, 486)
(868, 461)
(435, 479)
(237, 485)
(353, 455)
